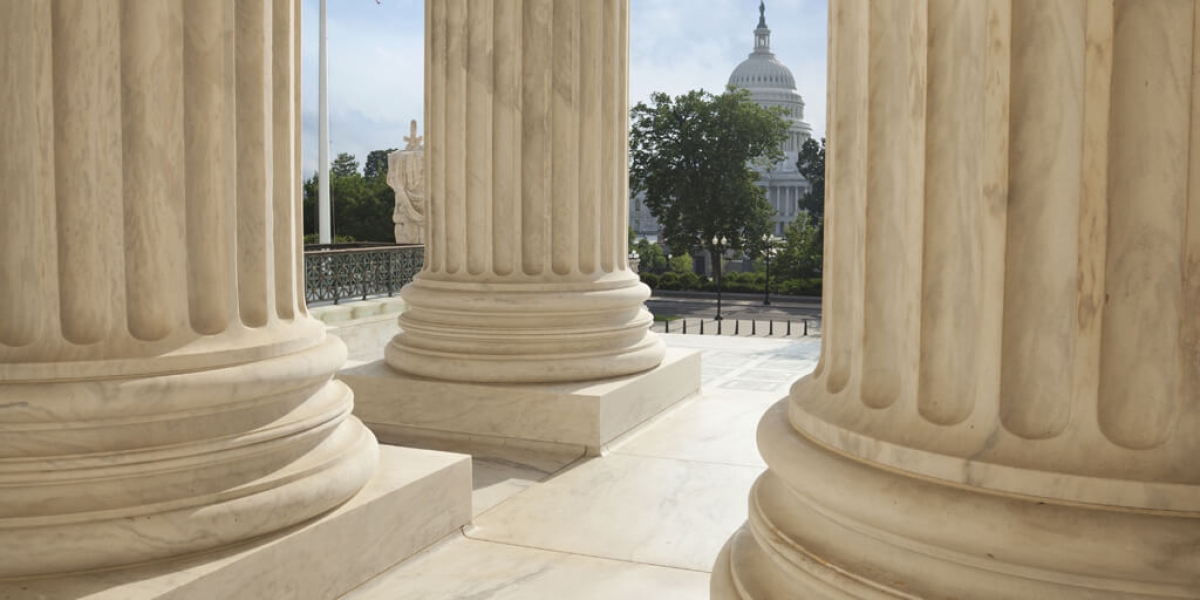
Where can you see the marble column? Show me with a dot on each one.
(526, 276)
(1007, 403)
(162, 388)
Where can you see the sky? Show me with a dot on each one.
(376, 62)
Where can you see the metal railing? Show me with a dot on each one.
(336, 272)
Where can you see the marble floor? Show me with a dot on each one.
(645, 521)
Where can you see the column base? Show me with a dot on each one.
(414, 498)
(586, 414)
(525, 332)
(824, 525)
(106, 471)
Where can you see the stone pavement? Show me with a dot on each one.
(645, 521)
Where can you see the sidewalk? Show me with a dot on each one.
(645, 521)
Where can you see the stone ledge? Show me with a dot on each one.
(585, 414)
(415, 498)
(357, 310)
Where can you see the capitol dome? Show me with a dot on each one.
(762, 71)
(771, 84)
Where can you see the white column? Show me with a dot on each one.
(1006, 401)
(162, 388)
(526, 276)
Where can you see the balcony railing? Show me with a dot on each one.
(336, 272)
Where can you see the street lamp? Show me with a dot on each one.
(767, 257)
(719, 246)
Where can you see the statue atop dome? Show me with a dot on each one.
(762, 34)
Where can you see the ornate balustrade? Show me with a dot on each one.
(335, 272)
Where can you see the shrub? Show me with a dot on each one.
(649, 279)
(800, 287)
(681, 264)
(744, 287)
(668, 281)
(811, 287)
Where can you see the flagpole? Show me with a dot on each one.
(323, 204)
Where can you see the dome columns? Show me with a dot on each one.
(1005, 401)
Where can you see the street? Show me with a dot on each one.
(701, 306)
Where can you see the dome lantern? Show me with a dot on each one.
(762, 35)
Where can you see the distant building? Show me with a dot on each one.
(643, 223)
(770, 83)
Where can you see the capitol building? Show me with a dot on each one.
(770, 84)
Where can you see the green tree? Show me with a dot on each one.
(342, 166)
(811, 165)
(309, 207)
(650, 257)
(692, 156)
(680, 263)
(799, 255)
(756, 239)
(362, 207)
(377, 164)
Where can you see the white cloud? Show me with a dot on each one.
(376, 64)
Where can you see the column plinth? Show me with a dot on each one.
(1005, 401)
(526, 275)
(163, 390)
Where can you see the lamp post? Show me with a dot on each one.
(719, 246)
(767, 257)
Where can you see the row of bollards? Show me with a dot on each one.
(737, 327)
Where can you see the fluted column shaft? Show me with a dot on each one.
(1013, 309)
(162, 389)
(526, 276)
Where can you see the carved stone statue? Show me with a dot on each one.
(406, 175)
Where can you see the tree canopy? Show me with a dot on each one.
(799, 255)
(811, 164)
(692, 156)
(362, 203)
(343, 166)
(650, 256)
(377, 163)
